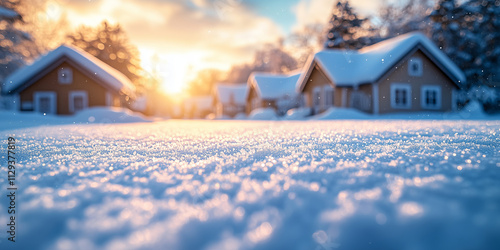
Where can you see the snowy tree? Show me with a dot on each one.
(110, 44)
(397, 18)
(452, 33)
(46, 22)
(15, 45)
(272, 58)
(306, 41)
(204, 82)
(469, 33)
(485, 21)
(346, 30)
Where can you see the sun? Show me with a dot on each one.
(173, 70)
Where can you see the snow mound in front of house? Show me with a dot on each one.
(472, 111)
(263, 114)
(297, 114)
(108, 115)
(240, 116)
(342, 114)
(15, 119)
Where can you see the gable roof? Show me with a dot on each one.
(107, 75)
(354, 67)
(272, 86)
(223, 93)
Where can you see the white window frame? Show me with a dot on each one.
(65, 76)
(73, 94)
(401, 86)
(44, 94)
(415, 61)
(423, 98)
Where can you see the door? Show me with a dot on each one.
(78, 100)
(45, 102)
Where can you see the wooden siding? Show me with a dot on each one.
(49, 82)
(432, 75)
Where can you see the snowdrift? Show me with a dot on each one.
(342, 114)
(297, 114)
(263, 114)
(15, 119)
(108, 115)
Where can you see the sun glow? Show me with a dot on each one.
(174, 71)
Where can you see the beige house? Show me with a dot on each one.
(67, 80)
(266, 90)
(404, 74)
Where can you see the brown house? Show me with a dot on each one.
(267, 90)
(404, 74)
(67, 80)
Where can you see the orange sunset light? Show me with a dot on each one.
(177, 39)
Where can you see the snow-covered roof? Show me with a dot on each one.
(367, 65)
(272, 86)
(100, 70)
(8, 13)
(238, 92)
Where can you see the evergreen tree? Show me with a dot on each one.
(401, 17)
(485, 20)
(451, 34)
(110, 44)
(469, 34)
(346, 30)
(16, 46)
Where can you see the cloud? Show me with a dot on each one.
(221, 30)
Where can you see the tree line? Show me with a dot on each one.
(27, 31)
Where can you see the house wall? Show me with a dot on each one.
(49, 82)
(319, 79)
(432, 75)
(365, 92)
(252, 95)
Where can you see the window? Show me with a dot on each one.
(400, 96)
(65, 76)
(415, 67)
(45, 102)
(78, 101)
(431, 97)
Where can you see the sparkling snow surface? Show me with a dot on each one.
(258, 185)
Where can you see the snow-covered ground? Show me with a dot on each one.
(96, 115)
(257, 185)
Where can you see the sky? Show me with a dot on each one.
(188, 35)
